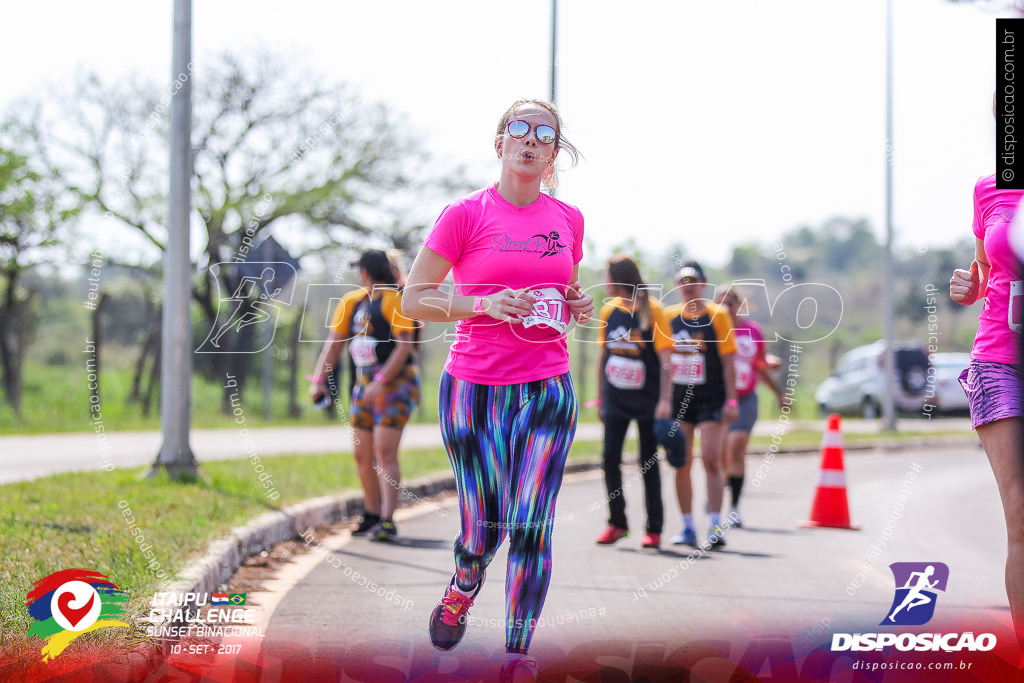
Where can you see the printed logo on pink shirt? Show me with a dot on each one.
(1005, 215)
(545, 245)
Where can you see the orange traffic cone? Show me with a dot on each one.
(830, 508)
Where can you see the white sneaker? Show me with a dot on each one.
(688, 537)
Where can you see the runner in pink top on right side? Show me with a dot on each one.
(993, 380)
(1001, 319)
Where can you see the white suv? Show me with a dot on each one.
(857, 384)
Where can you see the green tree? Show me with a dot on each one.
(746, 260)
(32, 214)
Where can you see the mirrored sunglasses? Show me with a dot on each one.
(520, 129)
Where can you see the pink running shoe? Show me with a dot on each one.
(448, 620)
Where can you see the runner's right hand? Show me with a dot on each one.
(963, 286)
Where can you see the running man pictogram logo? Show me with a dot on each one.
(257, 301)
(239, 317)
(916, 586)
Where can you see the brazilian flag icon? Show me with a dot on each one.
(237, 599)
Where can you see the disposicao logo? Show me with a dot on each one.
(71, 602)
(916, 583)
(914, 605)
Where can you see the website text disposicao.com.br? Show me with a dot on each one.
(897, 665)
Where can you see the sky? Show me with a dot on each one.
(711, 124)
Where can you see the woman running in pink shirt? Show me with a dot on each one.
(993, 378)
(507, 405)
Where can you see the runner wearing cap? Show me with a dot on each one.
(702, 394)
(507, 405)
(629, 384)
(386, 388)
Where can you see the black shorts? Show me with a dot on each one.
(696, 410)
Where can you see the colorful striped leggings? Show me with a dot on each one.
(508, 445)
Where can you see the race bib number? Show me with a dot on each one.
(688, 368)
(744, 372)
(1015, 313)
(551, 309)
(363, 351)
(625, 373)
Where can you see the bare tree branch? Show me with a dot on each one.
(273, 146)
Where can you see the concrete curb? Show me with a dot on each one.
(225, 556)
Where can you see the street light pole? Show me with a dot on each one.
(888, 399)
(554, 49)
(175, 455)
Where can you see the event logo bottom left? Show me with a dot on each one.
(71, 602)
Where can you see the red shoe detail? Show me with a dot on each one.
(611, 534)
(652, 541)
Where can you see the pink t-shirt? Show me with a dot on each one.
(493, 244)
(749, 354)
(1001, 318)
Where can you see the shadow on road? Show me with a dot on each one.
(378, 557)
(420, 543)
(766, 530)
(683, 552)
(740, 553)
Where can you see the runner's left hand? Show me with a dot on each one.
(372, 391)
(664, 410)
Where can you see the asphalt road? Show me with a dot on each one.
(24, 457)
(772, 581)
